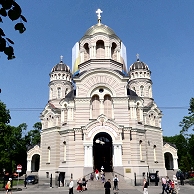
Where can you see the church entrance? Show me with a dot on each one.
(168, 161)
(102, 151)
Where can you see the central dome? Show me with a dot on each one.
(99, 28)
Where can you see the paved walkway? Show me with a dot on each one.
(186, 189)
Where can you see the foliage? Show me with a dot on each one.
(4, 114)
(33, 136)
(185, 150)
(14, 145)
(188, 121)
(185, 142)
(10, 9)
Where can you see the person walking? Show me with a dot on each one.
(107, 186)
(163, 185)
(182, 178)
(71, 184)
(115, 180)
(8, 186)
(97, 174)
(145, 186)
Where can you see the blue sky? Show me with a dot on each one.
(162, 32)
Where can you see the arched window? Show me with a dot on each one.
(113, 52)
(100, 49)
(152, 118)
(58, 92)
(86, 52)
(108, 106)
(154, 147)
(49, 155)
(141, 91)
(140, 150)
(66, 91)
(138, 112)
(64, 151)
(95, 106)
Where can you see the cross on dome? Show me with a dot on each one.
(99, 11)
(137, 57)
(61, 57)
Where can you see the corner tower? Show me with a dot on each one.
(140, 80)
(60, 82)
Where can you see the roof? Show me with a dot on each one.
(99, 28)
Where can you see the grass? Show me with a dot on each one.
(14, 182)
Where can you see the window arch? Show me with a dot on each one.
(95, 106)
(141, 90)
(140, 149)
(108, 106)
(113, 52)
(58, 92)
(86, 52)
(49, 155)
(100, 49)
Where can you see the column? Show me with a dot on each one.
(91, 51)
(117, 156)
(88, 155)
(82, 57)
(175, 163)
(141, 114)
(62, 116)
(101, 106)
(28, 165)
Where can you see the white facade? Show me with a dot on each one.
(104, 114)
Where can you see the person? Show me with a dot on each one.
(9, 186)
(97, 174)
(107, 186)
(115, 180)
(103, 178)
(91, 176)
(178, 174)
(182, 178)
(79, 187)
(102, 168)
(156, 178)
(102, 175)
(84, 182)
(163, 185)
(71, 184)
(145, 186)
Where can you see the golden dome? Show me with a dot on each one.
(99, 28)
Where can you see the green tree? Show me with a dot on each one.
(188, 121)
(13, 149)
(33, 136)
(10, 9)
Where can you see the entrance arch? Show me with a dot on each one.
(168, 161)
(103, 151)
(35, 163)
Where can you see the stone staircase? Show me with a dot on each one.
(170, 173)
(97, 184)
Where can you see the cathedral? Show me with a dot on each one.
(101, 113)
